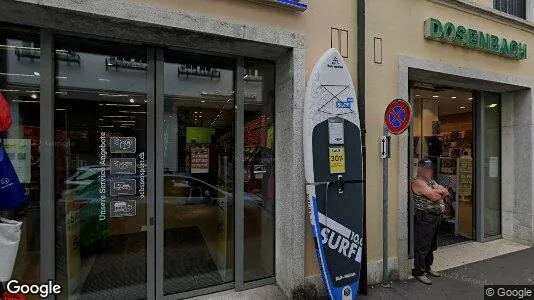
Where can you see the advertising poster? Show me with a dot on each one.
(200, 160)
(20, 154)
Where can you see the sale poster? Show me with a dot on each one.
(200, 160)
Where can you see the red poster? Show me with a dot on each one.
(200, 160)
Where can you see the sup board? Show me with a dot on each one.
(333, 171)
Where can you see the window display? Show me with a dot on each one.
(20, 93)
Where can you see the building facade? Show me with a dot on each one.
(160, 142)
(163, 135)
(471, 104)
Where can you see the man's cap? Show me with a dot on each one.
(425, 163)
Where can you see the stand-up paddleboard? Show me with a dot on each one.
(333, 171)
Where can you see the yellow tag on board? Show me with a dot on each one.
(337, 160)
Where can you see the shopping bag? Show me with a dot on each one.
(9, 245)
(11, 191)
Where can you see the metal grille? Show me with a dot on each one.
(512, 7)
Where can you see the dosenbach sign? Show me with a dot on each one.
(474, 39)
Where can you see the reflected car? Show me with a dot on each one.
(84, 199)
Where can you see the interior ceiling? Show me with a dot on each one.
(451, 101)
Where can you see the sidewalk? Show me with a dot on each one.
(464, 282)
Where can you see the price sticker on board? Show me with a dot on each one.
(337, 160)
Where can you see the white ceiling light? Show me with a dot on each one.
(453, 97)
(25, 101)
(462, 107)
(112, 95)
(470, 98)
(417, 95)
(493, 105)
(34, 96)
(435, 96)
(122, 105)
(131, 112)
(132, 100)
(15, 74)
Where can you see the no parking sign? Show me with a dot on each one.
(398, 116)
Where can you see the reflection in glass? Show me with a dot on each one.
(199, 177)
(19, 84)
(259, 194)
(100, 169)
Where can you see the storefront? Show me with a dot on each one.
(195, 120)
(465, 68)
(159, 161)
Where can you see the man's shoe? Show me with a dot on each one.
(424, 279)
(433, 273)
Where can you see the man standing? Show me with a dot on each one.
(428, 200)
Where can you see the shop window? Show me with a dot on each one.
(101, 160)
(19, 85)
(513, 7)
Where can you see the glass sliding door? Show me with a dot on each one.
(20, 86)
(123, 231)
(198, 172)
(259, 176)
(489, 166)
(101, 169)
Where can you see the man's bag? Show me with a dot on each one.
(9, 245)
(11, 191)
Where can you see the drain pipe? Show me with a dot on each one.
(360, 86)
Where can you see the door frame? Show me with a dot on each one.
(159, 208)
(151, 174)
(155, 155)
(155, 205)
(47, 156)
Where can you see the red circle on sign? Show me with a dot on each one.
(398, 116)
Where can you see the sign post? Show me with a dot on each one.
(397, 119)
